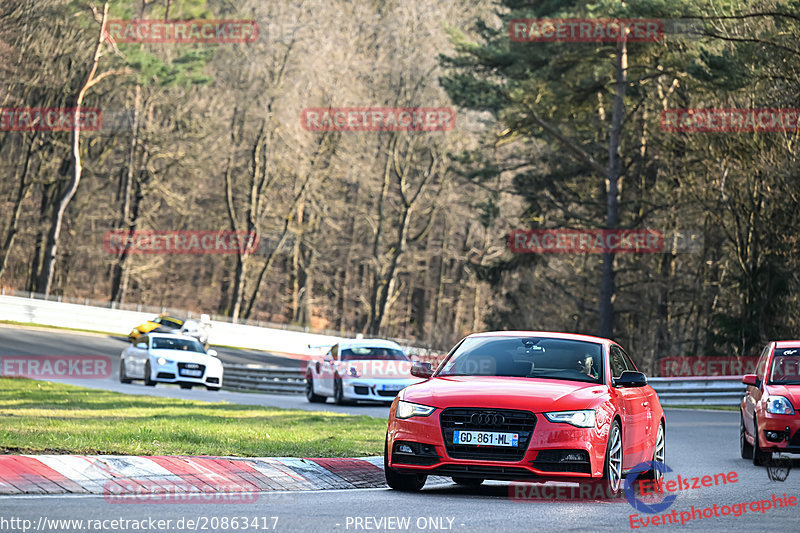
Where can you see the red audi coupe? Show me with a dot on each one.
(770, 408)
(528, 406)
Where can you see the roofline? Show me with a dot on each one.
(551, 334)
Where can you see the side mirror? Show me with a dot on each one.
(421, 370)
(141, 345)
(212, 353)
(629, 378)
(750, 379)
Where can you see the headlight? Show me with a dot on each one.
(779, 405)
(408, 409)
(581, 419)
(161, 361)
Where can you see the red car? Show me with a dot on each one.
(770, 419)
(525, 405)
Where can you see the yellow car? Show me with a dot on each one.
(163, 323)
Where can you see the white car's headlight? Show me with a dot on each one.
(408, 409)
(162, 361)
(779, 405)
(581, 419)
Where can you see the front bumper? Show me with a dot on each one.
(175, 372)
(374, 389)
(555, 451)
(779, 433)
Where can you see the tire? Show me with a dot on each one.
(402, 482)
(310, 396)
(611, 482)
(338, 391)
(123, 377)
(659, 455)
(212, 388)
(467, 481)
(760, 457)
(185, 385)
(745, 448)
(147, 381)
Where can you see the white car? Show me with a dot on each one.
(359, 369)
(170, 358)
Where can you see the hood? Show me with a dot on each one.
(791, 392)
(533, 394)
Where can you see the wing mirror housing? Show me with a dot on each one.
(629, 378)
(212, 353)
(750, 379)
(421, 370)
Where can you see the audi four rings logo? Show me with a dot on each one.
(487, 419)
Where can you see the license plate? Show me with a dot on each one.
(486, 438)
(192, 373)
(392, 387)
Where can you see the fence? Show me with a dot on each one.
(711, 391)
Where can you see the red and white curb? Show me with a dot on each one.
(115, 476)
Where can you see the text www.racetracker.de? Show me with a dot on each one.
(195, 523)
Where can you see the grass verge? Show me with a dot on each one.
(44, 417)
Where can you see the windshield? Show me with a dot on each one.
(361, 353)
(785, 367)
(528, 357)
(187, 345)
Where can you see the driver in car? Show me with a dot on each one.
(587, 366)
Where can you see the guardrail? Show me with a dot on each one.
(698, 391)
(118, 321)
(694, 391)
(263, 379)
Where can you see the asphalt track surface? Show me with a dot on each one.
(36, 342)
(699, 443)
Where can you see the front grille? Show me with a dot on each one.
(213, 380)
(192, 367)
(388, 393)
(563, 461)
(484, 472)
(796, 439)
(461, 418)
(361, 389)
(165, 375)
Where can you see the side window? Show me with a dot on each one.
(335, 352)
(617, 360)
(762, 363)
(628, 361)
(145, 339)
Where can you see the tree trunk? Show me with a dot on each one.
(48, 267)
(126, 221)
(612, 192)
(22, 192)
